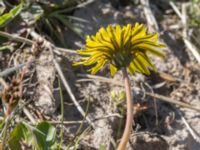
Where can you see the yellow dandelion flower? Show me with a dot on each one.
(120, 47)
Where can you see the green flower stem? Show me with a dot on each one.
(129, 113)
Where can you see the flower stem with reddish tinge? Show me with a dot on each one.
(129, 113)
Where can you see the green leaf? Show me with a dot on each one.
(65, 21)
(113, 70)
(16, 136)
(46, 136)
(33, 14)
(2, 124)
(102, 147)
(41, 137)
(5, 18)
(7, 47)
(77, 19)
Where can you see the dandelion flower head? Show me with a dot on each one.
(126, 46)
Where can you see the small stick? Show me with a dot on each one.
(30, 42)
(67, 122)
(84, 3)
(175, 9)
(67, 87)
(81, 121)
(169, 100)
(151, 20)
(16, 38)
(8, 71)
(28, 114)
(192, 48)
(192, 132)
(187, 42)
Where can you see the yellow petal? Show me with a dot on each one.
(138, 66)
(127, 33)
(130, 69)
(93, 59)
(113, 70)
(138, 30)
(143, 64)
(147, 38)
(151, 50)
(98, 66)
(118, 36)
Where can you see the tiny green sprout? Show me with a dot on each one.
(122, 48)
(118, 96)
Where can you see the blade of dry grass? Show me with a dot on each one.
(151, 20)
(183, 17)
(17, 38)
(189, 128)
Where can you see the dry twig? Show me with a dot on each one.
(183, 17)
(81, 121)
(192, 132)
(151, 20)
(29, 115)
(30, 42)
